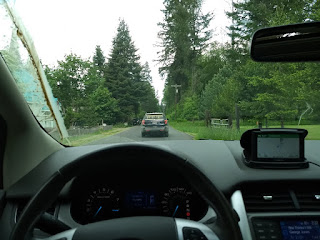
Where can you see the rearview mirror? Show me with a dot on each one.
(290, 43)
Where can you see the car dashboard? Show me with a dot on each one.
(269, 203)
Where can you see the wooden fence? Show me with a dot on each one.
(217, 122)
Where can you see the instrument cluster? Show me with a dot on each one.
(116, 196)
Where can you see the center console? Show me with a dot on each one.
(276, 225)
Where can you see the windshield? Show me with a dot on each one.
(184, 66)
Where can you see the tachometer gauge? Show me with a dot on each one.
(176, 202)
(102, 204)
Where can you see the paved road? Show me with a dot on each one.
(133, 134)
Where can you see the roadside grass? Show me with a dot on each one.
(313, 131)
(198, 130)
(87, 138)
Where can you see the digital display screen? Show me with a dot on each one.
(141, 200)
(278, 146)
(300, 230)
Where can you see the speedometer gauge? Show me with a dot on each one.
(176, 202)
(102, 204)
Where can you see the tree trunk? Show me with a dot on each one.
(207, 118)
(237, 117)
(230, 121)
(266, 122)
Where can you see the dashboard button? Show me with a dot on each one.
(275, 237)
(272, 225)
(259, 224)
(262, 237)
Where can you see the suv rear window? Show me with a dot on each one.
(154, 116)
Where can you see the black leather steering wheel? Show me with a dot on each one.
(225, 227)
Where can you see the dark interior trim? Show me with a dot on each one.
(3, 136)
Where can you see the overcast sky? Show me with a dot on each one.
(59, 27)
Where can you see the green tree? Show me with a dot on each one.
(68, 81)
(220, 95)
(147, 99)
(184, 36)
(104, 106)
(123, 73)
(99, 60)
(146, 73)
(74, 81)
(315, 11)
(191, 108)
(93, 79)
(210, 64)
(268, 90)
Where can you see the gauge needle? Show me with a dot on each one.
(175, 210)
(97, 211)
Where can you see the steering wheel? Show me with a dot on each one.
(225, 227)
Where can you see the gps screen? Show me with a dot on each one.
(278, 146)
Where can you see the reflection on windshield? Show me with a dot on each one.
(14, 50)
(212, 89)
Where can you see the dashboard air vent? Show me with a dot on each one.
(258, 201)
(308, 200)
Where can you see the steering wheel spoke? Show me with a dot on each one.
(184, 230)
(66, 235)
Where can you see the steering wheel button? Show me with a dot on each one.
(193, 234)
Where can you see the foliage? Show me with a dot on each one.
(78, 85)
(220, 95)
(226, 76)
(95, 92)
(315, 11)
(99, 60)
(214, 77)
(148, 99)
(248, 16)
(127, 80)
(104, 106)
(68, 80)
(184, 36)
(191, 108)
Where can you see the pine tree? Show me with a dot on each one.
(146, 73)
(184, 36)
(123, 73)
(148, 100)
(99, 59)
